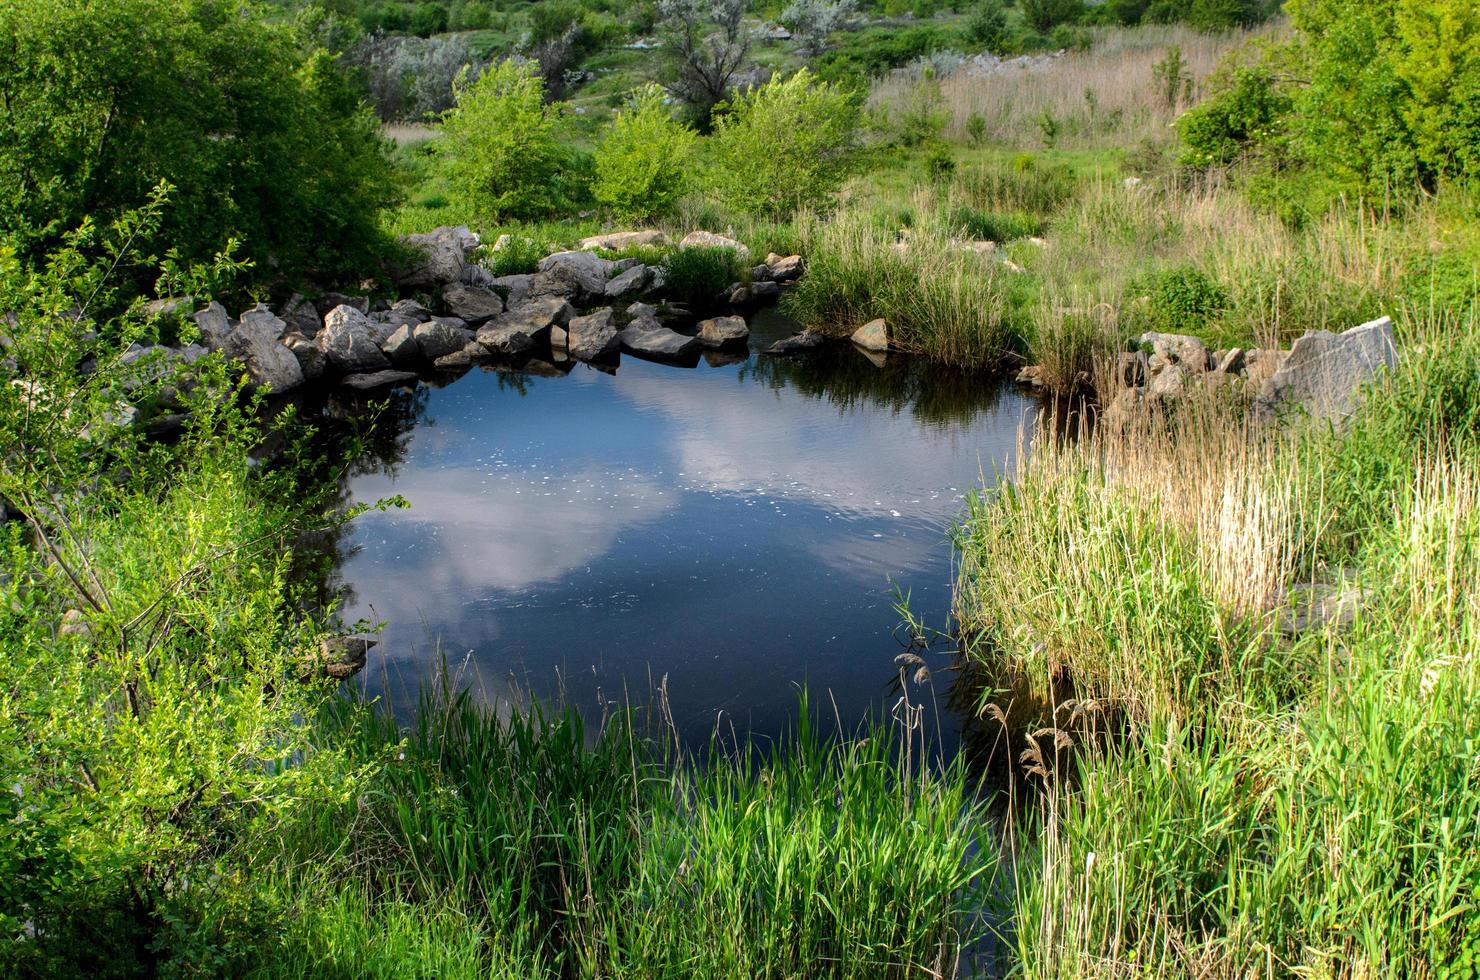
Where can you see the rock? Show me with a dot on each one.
(629, 283)
(328, 301)
(350, 342)
(617, 241)
(169, 307)
(471, 303)
(760, 273)
(437, 258)
(436, 339)
(516, 330)
(338, 657)
(411, 310)
(647, 338)
(400, 348)
(261, 316)
(1170, 382)
(592, 336)
(722, 330)
(706, 239)
(1324, 371)
(1261, 365)
(558, 338)
(1177, 348)
(1131, 369)
(1128, 405)
(268, 362)
(1031, 375)
(788, 269)
(639, 310)
(585, 273)
(300, 315)
(514, 289)
(796, 343)
(455, 361)
(311, 360)
(873, 335)
(215, 326)
(377, 379)
(1231, 362)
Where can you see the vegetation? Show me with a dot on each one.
(643, 161)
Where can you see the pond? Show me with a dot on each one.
(728, 533)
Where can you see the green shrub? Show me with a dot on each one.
(784, 147)
(1250, 112)
(1183, 299)
(643, 161)
(986, 27)
(1044, 15)
(259, 134)
(501, 152)
(697, 277)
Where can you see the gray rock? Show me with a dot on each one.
(1324, 372)
(436, 339)
(455, 361)
(261, 316)
(1175, 348)
(374, 380)
(616, 241)
(1232, 362)
(722, 330)
(215, 326)
(1169, 382)
(514, 289)
(1261, 365)
(299, 314)
(311, 360)
(788, 269)
(338, 658)
(472, 304)
(535, 316)
(558, 338)
(400, 348)
(169, 307)
(706, 239)
(438, 257)
(585, 273)
(648, 338)
(350, 341)
(873, 335)
(592, 336)
(504, 338)
(268, 362)
(760, 273)
(412, 310)
(629, 283)
(796, 343)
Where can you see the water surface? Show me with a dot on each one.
(732, 531)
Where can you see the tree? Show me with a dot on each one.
(785, 146)
(1044, 15)
(259, 133)
(642, 163)
(812, 22)
(709, 45)
(500, 148)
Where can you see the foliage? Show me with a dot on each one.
(1183, 299)
(151, 707)
(411, 78)
(1171, 77)
(1045, 15)
(862, 55)
(500, 149)
(812, 22)
(986, 27)
(709, 45)
(643, 160)
(784, 147)
(696, 276)
(1248, 113)
(105, 98)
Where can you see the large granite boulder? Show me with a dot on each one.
(616, 241)
(722, 330)
(215, 326)
(1175, 348)
(585, 274)
(593, 336)
(257, 344)
(437, 338)
(400, 348)
(300, 315)
(435, 258)
(471, 303)
(350, 342)
(1324, 372)
(516, 330)
(646, 337)
(311, 360)
(707, 239)
(629, 283)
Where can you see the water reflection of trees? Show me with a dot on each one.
(847, 379)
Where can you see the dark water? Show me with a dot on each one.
(732, 532)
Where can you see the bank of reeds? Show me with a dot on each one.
(532, 847)
(1283, 793)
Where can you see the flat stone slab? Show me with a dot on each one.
(377, 379)
(1325, 371)
(723, 330)
(797, 343)
(650, 339)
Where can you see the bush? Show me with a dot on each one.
(1044, 15)
(500, 149)
(1249, 112)
(1183, 299)
(987, 26)
(785, 146)
(643, 161)
(259, 135)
